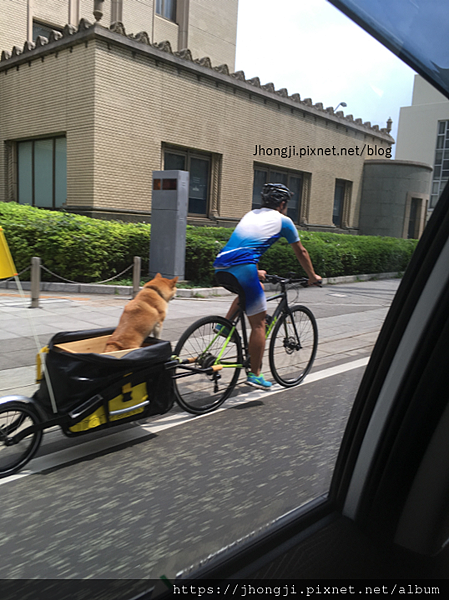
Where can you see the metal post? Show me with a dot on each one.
(136, 275)
(35, 281)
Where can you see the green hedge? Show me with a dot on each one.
(75, 247)
(88, 250)
(332, 254)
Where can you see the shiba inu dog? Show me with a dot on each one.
(144, 315)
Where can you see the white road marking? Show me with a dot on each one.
(19, 303)
(167, 422)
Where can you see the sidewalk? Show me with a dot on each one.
(344, 334)
(121, 290)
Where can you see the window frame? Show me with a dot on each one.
(44, 25)
(160, 9)
(33, 141)
(289, 173)
(345, 205)
(422, 201)
(441, 156)
(188, 154)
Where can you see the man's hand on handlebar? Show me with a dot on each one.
(261, 274)
(315, 280)
(293, 278)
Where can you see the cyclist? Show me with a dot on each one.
(236, 266)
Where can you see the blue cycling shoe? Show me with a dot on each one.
(258, 381)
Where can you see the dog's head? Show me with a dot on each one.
(165, 287)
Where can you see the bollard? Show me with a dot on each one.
(136, 275)
(169, 206)
(35, 281)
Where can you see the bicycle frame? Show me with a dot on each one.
(214, 349)
(280, 309)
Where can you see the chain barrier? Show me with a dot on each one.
(18, 275)
(80, 283)
(36, 267)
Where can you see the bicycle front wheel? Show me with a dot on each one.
(293, 346)
(16, 418)
(205, 345)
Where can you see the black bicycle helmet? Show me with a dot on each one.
(273, 194)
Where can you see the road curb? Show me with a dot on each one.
(119, 290)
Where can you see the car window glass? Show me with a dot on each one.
(272, 453)
(315, 103)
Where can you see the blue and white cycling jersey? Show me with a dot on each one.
(256, 232)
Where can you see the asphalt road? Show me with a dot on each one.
(152, 499)
(155, 504)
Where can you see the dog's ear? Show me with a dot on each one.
(174, 281)
(157, 276)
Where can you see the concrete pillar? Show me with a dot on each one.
(136, 275)
(35, 281)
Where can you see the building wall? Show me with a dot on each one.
(51, 12)
(212, 24)
(121, 102)
(165, 30)
(13, 24)
(424, 93)
(418, 123)
(138, 16)
(388, 189)
(213, 30)
(66, 106)
(418, 129)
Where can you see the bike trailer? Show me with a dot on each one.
(95, 388)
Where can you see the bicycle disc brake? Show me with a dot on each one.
(291, 345)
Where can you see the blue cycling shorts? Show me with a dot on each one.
(248, 279)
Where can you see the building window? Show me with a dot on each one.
(167, 9)
(292, 179)
(43, 30)
(415, 215)
(413, 222)
(441, 166)
(339, 201)
(198, 166)
(42, 172)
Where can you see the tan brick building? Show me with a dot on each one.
(87, 114)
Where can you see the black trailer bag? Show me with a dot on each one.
(77, 377)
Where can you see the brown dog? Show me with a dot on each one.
(144, 315)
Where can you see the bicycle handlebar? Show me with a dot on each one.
(303, 281)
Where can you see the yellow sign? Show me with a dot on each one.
(7, 268)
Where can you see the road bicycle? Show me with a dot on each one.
(217, 352)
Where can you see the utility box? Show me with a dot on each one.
(168, 223)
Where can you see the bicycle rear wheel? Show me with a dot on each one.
(202, 344)
(16, 417)
(293, 346)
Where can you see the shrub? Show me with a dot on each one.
(75, 247)
(200, 255)
(89, 250)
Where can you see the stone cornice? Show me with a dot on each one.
(398, 162)
(162, 53)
